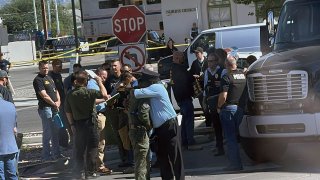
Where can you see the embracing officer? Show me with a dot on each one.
(139, 128)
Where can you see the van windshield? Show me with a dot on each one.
(205, 41)
(298, 25)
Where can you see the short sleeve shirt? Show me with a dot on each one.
(6, 94)
(81, 102)
(57, 79)
(44, 82)
(4, 64)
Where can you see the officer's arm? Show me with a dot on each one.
(222, 99)
(145, 93)
(47, 98)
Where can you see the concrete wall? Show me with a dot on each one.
(20, 51)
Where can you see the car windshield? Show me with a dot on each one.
(298, 25)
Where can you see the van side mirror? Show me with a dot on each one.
(271, 28)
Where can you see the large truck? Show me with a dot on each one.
(284, 85)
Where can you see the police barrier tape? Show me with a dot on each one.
(61, 55)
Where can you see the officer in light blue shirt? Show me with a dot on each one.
(165, 124)
(8, 145)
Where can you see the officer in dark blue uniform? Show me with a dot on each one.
(232, 86)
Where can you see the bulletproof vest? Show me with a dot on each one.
(213, 84)
(194, 32)
(237, 84)
(139, 110)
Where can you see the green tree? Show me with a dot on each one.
(18, 15)
(265, 6)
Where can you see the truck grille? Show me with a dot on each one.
(275, 87)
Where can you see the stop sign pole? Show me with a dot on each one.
(129, 24)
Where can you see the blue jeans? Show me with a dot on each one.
(8, 167)
(187, 124)
(50, 133)
(231, 117)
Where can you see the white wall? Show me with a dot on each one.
(20, 51)
(178, 25)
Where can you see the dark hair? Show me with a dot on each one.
(99, 70)
(211, 50)
(250, 59)
(56, 61)
(81, 77)
(43, 62)
(77, 65)
(222, 55)
(125, 75)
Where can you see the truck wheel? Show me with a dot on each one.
(262, 150)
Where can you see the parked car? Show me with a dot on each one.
(52, 46)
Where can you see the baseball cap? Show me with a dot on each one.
(3, 74)
(199, 49)
(147, 73)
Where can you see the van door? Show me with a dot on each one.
(204, 40)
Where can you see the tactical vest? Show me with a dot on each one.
(213, 84)
(139, 113)
(237, 84)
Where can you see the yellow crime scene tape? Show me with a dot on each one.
(61, 55)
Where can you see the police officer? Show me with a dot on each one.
(212, 77)
(232, 86)
(80, 111)
(165, 124)
(139, 128)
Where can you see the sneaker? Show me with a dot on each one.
(91, 175)
(104, 170)
(129, 170)
(79, 176)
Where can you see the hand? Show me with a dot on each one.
(218, 110)
(58, 104)
(196, 76)
(98, 79)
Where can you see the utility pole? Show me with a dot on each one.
(57, 17)
(49, 16)
(44, 18)
(75, 29)
(35, 14)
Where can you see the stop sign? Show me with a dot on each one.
(129, 24)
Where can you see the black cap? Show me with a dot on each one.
(147, 74)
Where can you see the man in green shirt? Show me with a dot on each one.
(81, 114)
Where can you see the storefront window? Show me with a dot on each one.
(219, 13)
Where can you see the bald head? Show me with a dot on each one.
(231, 62)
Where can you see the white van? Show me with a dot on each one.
(248, 39)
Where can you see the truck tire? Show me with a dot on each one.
(262, 150)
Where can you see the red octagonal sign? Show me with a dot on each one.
(129, 24)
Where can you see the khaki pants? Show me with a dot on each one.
(124, 135)
(102, 139)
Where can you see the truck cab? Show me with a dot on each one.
(284, 85)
